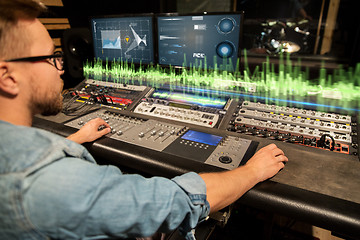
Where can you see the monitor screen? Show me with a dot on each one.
(123, 38)
(205, 41)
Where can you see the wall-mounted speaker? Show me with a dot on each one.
(77, 48)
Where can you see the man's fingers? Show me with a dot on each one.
(277, 152)
(105, 131)
(282, 158)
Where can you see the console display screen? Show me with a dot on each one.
(187, 98)
(201, 137)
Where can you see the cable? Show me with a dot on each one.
(73, 108)
(322, 142)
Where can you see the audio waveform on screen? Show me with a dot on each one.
(111, 39)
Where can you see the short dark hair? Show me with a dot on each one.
(11, 11)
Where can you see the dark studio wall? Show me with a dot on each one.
(80, 10)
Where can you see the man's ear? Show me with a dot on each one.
(8, 83)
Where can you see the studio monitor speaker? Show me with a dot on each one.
(77, 48)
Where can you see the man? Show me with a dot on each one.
(52, 188)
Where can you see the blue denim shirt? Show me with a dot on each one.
(51, 187)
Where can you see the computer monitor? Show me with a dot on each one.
(123, 38)
(208, 41)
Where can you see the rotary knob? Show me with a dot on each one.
(225, 159)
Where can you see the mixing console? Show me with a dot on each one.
(308, 127)
(330, 131)
(223, 151)
(109, 93)
(161, 110)
(184, 107)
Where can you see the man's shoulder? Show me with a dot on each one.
(23, 147)
(23, 134)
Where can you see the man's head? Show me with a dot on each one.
(35, 84)
(11, 11)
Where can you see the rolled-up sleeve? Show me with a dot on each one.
(72, 199)
(195, 188)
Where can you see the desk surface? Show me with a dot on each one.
(316, 186)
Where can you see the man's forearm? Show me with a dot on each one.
(226, 187)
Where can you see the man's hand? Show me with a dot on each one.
(223, 188)
(90, 131)
(267, 162)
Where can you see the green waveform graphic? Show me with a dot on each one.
(286, 84)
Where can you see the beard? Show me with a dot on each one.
(51, 108)
(48, 104)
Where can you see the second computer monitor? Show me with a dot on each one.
(208, 41)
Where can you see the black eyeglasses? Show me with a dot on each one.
(57, 59)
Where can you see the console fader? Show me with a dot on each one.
(223, 151)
